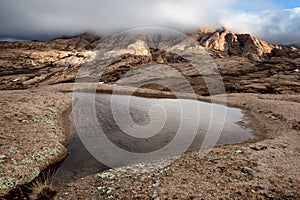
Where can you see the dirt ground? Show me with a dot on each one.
(266, 169)
(33, 134)
(35, 81)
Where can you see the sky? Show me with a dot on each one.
(276, 21)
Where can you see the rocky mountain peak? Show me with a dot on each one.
(139, 48)
(232, 44)
(204, 30)
(223, 29)
(31, 63)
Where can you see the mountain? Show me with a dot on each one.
(228, 43)
(247, 64)
(296, 45)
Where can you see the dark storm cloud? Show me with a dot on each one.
(47, 19)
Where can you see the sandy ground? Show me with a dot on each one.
(33, 126)
(267, 169)
(33, 134)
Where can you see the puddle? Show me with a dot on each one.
(167, 117)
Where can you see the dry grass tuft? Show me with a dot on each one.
(42, 188)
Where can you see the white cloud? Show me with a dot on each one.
(274, 26)
(35, 18)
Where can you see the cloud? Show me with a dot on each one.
(281, 26)
(47, 19)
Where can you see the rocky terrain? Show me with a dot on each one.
(261, 78)
(246, 64)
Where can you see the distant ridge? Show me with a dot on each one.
(221, 42)
(228, 43)
(247, 64)
(297, 45)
